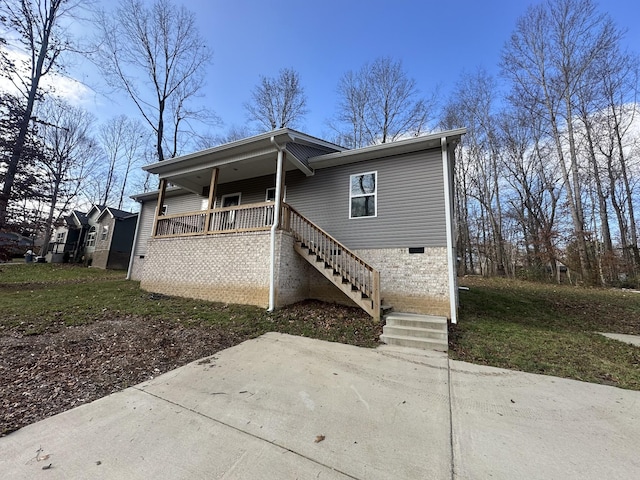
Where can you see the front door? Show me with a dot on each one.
(229, 218)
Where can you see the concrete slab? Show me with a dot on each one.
(256, 411)
(133, 435)
(282, 407)
(621, 337)
(381, 417)
(511, 424)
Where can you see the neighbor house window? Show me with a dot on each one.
(105, 232)
(363, 189)
(60, 237)
(91, 237)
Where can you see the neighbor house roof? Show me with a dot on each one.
(115, 213)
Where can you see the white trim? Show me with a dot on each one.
(274, 227)
(135, 241)
(448, 207)
(374, 194)
(238, 194)
(266, 194)
(231, 217)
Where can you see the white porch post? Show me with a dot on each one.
(448, 207)
(276, 220)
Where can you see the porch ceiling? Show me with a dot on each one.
(247, 158)
(196, 180)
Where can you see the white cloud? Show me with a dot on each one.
(65, 87)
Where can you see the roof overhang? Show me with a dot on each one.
(400, 147)
(248, 158)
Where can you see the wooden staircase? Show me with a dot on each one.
(353, 276)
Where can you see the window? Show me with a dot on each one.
(271, 194)
(231, 200)
(60, 237)
(91, 237)
(163, 210)
(105, 232)
(363, 197)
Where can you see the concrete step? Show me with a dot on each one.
(405, 331)
(416, 320)
(415, 342)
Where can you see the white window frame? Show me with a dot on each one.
(91, 237)
(104, 234)
(373, 194)
(231, 217)
(60, 237)
(266, 195)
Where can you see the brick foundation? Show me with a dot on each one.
(234, 268)
(231, 268)
(412, 283)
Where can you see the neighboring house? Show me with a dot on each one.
(113, 238)
(102, 237)
(283, 216)
(67, 240)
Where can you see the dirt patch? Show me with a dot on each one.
(41, 375)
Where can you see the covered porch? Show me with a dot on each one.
(271, 220)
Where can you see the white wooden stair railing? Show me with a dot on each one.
(355, 277)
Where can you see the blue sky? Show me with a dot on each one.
(436, 41)
(321, 40)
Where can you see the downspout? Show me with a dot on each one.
(274, 227)
(451, 258)
(135, 240)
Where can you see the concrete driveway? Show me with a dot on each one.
(283, 407)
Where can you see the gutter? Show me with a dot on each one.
(274, 227)
(135, 240)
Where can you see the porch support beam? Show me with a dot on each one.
(161, 193)
(447, 177)
(212, 197)
(274, 227)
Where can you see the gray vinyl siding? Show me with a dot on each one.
(253, 190)
(189, 202)
(147, 214)
(410, 203)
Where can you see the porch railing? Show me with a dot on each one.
(345, 263)
(242, 218)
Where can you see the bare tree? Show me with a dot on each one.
(277, 102)
(156, 55)
(123, 140)
(70, 155)
(547, 57)
(42, 37)
(378, 104)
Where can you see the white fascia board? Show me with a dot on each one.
(425, 142)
